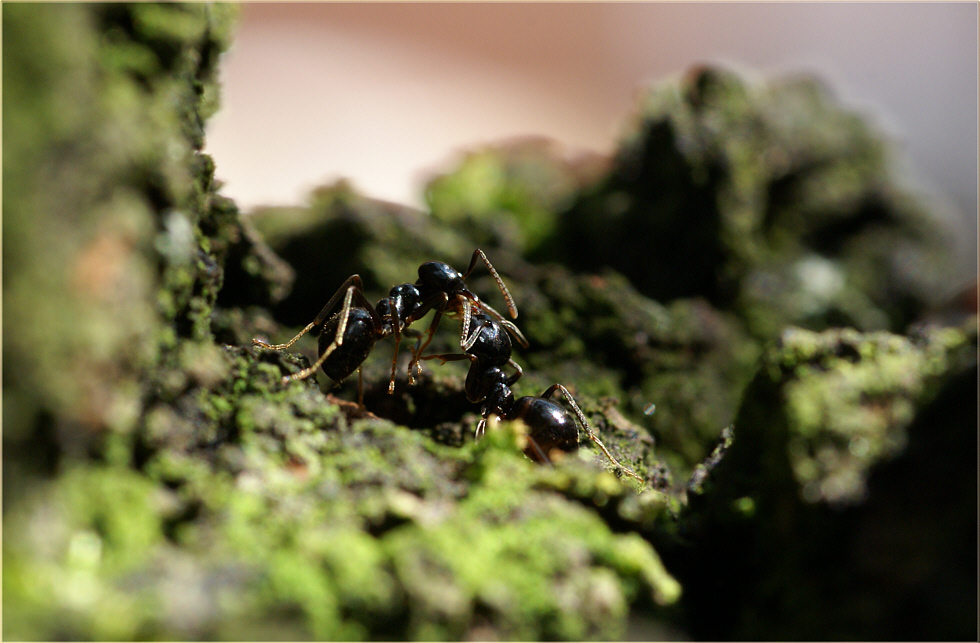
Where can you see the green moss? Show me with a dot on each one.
(522, 184)
(849, 401)
(95, 529)
(90, 122)
(836, 443)
(766, 198)
(161, 483)
(531, 565)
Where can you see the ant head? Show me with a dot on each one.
(436, 276)
(404, 299)
(492, 344)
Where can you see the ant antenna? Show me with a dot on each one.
(511, 306)
(588, 429)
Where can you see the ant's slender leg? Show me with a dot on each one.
(466, 344)
(398, 341)
(511, 306)
(360, 388)
(279, 347)
(537, 449)
(588, 428)
(439, 304)
(455, 357)
(353, 280)
(481, 429)
(465, 341)
(399, 333)
(407, 332)
(515, 332)
(516, 376)
(451, 357)
(509, 325)
(338, 338)
(394, 364)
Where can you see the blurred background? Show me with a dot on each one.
(388, 94)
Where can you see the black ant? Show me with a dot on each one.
(550, 426)
(347, 337)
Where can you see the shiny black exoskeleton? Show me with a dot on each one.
(347, 336)
(360, 336)
(447, 286)
(550, 427)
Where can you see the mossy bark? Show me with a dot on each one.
(161, 482)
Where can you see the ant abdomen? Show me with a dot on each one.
(550, 427)
(358, 341)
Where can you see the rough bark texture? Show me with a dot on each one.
(744, 263)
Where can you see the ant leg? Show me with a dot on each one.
(588, 428)
(506, 323)
(338, 338)
(515, 332)
(537, 449)
(400, 330)
(353, 280)
(398, 341)
(360, 389)
(394, 364)
(511, 306)
(439, 303)
(465, 341)
(279, 347)
(481, 430)
(451, 357)
(405, 332)
(516, 376)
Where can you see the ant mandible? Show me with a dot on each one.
(347, 337)
(550, 426)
